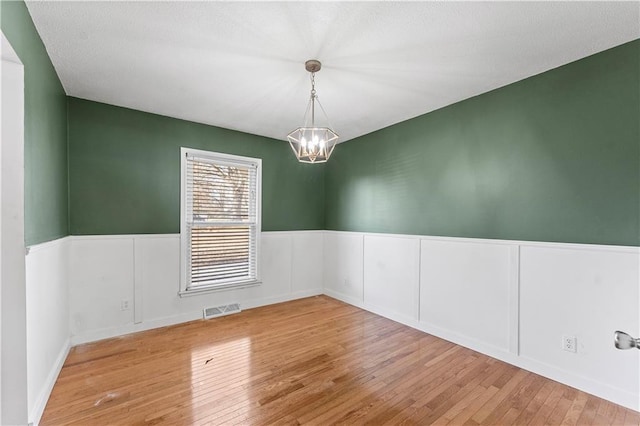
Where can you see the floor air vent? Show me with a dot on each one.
(218, 311)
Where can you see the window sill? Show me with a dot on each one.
(217, 288)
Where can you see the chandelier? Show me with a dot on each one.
(312, 143)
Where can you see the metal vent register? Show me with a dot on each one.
(218, 311)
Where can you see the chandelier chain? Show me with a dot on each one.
(313, 84)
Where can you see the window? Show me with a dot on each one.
(220, 221)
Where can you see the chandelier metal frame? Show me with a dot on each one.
(312, 143)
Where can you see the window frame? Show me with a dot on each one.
(227, 159)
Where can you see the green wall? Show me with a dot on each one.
(45, 130)
(552, 158)
(555, 157)
(124, 172)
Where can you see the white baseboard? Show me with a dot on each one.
(282, 298)
(111, 332)
(585, 384)
(345, 298)
(38, 409)
(108, 333)
(602, 390)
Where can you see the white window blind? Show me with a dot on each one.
(221, 226)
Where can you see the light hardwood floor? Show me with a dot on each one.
(310, 361)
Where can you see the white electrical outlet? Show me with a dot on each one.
(124, 305)
(570, 343)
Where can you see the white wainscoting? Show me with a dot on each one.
(343, 266)
(144, 269)
(47, 320)
(391, 275)
(464, 288)
(512, 300)
(101, 276)
(584, 293)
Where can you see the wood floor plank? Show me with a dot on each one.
(562, 407)
(313, 361)
(535, 404)
(575, 410)
(589, 412)
(505, 391)
(549, 404)
(632, 418)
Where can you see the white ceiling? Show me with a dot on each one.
(240, 65)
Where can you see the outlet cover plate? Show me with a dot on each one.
(570, 343)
